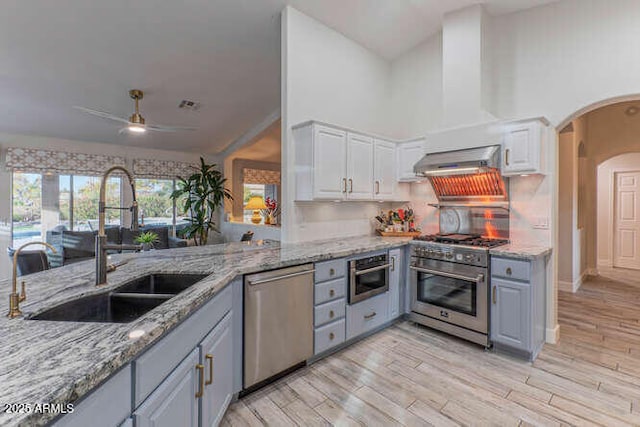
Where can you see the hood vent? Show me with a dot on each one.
(469, 176)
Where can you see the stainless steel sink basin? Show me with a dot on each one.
(126, 303)
(161, 284)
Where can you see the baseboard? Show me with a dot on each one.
(552, 335)
(572, 286)
(592, 272)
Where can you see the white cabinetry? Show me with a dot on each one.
(522, 149)
(384, 175)
(408, 154)
(336, 164)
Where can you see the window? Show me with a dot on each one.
(27, 208)
(42, 202)
(154, 201)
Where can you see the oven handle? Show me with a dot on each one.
(371, 270)
(478, 279)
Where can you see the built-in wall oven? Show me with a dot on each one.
(369, 276)
(449, 290)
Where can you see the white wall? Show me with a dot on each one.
(25, 141)
(329, 78)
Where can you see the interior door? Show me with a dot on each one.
(385, 170)
(626, 221)
(330, 153)
(359, 167)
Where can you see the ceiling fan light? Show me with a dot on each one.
(136, 129)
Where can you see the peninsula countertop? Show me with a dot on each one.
(59, 362)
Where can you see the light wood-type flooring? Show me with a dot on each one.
(411, 375)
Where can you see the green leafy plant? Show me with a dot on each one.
(149, 238)
(200, 194)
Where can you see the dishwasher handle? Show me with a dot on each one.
(284, 276)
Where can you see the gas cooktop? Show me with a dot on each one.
(463, 239)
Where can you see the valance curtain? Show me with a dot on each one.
(32, 160)
(162, 169)
(261, 176)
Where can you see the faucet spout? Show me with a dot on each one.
(14, 298)
(101, 238)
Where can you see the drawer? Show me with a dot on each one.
(161, 359)
(511, 269)
(330, 270)
(328, 312)
(328, 336)
(367, 315)
(329, 291)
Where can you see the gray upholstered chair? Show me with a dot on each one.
(247, 237)
(30, 261)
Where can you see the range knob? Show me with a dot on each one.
(449, 255)
(469, 258)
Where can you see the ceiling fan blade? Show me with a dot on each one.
(102, 114)
(161, 128)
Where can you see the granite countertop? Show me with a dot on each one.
(59, 362)
(522, 251)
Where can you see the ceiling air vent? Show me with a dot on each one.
(185, 104)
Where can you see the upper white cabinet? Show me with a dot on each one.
(359, 167)
(334, 164)
(408, 154)
(522, 149)
(384, 174)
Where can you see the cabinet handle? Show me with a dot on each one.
(332, 272)
(209, 357)
(344, 185)
(506, 157)
(331, 336)
(200, 391)
(393, 263)
(350, 185)
(377, 187)
(508, 271)
(494, 295)
(331, 292)
(331, 314)
(370, 316)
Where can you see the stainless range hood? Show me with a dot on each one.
(466, 177)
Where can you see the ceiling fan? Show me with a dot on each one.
(135, 123)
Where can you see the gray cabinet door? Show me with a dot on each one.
(395, 258)
(510, 314)
(174, 402)
(217, 358)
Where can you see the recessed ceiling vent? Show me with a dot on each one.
(185, 104)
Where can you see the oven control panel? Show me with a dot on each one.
(450, 253)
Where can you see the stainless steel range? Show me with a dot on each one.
(449, 284)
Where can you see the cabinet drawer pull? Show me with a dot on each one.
(393, 263)
(209, 357)
(200, 391)
(332, 292)
(370, 316)
(494, 295)
(331, 314)
(331, 336)
(377, 187)
(509, 272)
(332, 272)
(506, 157)
(350, 185)
(344, 185)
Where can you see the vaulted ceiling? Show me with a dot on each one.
(224, 54)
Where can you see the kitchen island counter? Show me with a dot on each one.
(60, 362)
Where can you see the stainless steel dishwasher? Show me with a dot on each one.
(278, 322)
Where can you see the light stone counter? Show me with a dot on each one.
(59, 362)
(521, 251)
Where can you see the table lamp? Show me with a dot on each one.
(255, 203)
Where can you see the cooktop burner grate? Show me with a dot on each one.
(463, 239)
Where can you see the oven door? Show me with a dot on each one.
(452, 293)
(367, 283)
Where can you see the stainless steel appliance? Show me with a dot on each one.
(368, 277)
(449, 284)
(278, 322)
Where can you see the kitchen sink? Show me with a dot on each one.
(126, 303)
(161, 284)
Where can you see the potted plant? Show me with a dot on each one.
(147, 240)
(200, 195)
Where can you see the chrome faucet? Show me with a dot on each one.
(14, 298)
(101, 239)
